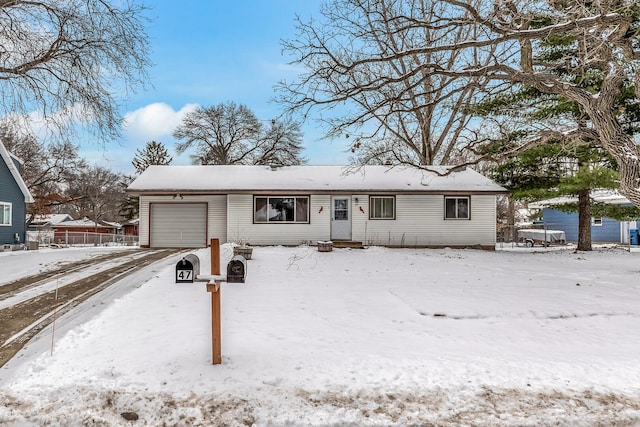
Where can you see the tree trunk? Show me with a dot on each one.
(584, 221)
(621, 146)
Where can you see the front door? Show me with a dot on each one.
(341, 218)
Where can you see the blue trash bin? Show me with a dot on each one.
(634, 237)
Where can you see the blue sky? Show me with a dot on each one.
(207, 52)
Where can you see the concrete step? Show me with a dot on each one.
(347, 244)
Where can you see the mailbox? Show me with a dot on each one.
(187, 269)
(236, 269)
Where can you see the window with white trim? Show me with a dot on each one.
(457, 208)
(382, 207)
(5, 213)
(280, 209)
(597, 222)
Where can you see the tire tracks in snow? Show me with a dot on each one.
(26, 318)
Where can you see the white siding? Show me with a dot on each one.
(242, 228)
(420, 222)
(216, 217)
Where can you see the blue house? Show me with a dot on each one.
(603, 229)
(14, 196)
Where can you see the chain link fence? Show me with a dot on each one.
(563, 233)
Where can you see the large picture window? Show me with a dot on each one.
(5, 213)
(278, 209)
(382, 207)
(456, 208)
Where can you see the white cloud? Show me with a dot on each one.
(154, 120)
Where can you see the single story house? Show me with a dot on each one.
(186, 206)
(14, 197)
(41, 227)
(46, 222)
(85, 231)
(603, 229)
(131, 227)
(86, 225)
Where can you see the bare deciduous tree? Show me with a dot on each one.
(604, 33)
(607, 46)
(281, 144)
(46, 168)
(367, 74)
(228, 134)
(70, 60)
(97, 194)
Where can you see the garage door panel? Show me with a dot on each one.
(176, 225)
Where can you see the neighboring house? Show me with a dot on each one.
(84, 231)
(117, 227)
(41, 227)
(14, 196)
(86, 225)
(603, 229)
(131, 227)
(47, 222)
(186, 206)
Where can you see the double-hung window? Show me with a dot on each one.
(280, 209)
(5, 213)
(457, 208)
(382, 207)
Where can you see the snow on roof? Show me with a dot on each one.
(6, 156)
(612, 197)
(184, 179)
(84, 222)
(112, 224)
(51, 219)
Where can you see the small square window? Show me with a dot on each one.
(597, 222)
(456, 208)
(382, 207)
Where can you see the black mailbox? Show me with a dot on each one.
(236, 269)
(187, 269)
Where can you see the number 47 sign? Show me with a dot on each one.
(187, 269)
(184, 276)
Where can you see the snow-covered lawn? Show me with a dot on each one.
(352, 337)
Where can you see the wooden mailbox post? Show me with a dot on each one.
(213, 286)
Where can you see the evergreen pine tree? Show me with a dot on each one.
(564, 168)
(154, 153)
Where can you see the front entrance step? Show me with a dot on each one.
(347, 244)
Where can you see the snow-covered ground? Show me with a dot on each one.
(350, 337)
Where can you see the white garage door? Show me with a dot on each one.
(178, 225)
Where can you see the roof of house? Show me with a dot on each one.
(601, 195)
(52, 219)
(85, 222)
(240, 178)
(6, 156)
